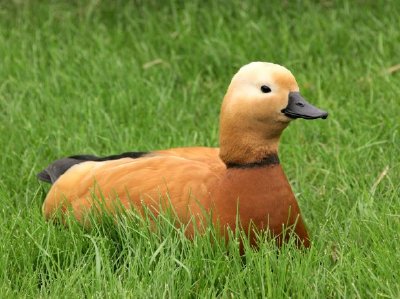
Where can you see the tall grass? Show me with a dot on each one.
(105, 77)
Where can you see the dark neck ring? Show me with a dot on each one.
(271, 159)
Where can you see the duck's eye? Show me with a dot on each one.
(265, 89)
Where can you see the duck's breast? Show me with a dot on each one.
(259, 196)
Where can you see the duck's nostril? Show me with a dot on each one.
(299, 104)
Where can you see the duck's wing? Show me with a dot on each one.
(180, 176)
(59, 167)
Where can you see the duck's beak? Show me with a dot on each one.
(298, 107)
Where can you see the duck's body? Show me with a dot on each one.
(241, 179)
(177, 175)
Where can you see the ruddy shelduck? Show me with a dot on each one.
(242, 182)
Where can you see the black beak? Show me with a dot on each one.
(298, 107)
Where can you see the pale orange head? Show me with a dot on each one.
(261, 100)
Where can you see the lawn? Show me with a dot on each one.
(106, 77)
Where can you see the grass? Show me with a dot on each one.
(105, 77)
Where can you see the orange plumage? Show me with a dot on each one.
(243, 177)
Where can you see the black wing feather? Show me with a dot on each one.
(59, 167)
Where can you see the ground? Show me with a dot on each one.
(105, 77)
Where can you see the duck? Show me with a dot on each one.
(240, 185)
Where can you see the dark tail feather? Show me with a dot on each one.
(44, 176)
(59, 167)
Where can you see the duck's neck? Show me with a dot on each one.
(248, 149)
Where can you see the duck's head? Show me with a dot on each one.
(260, 102)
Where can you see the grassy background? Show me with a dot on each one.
(105, 77)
